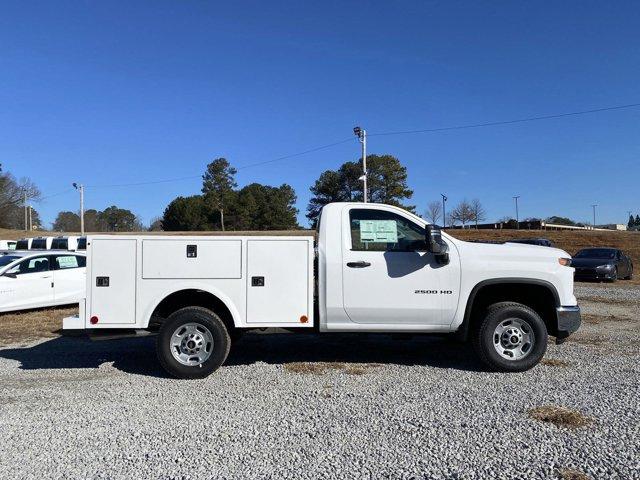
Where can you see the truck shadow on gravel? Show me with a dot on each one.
(137, 355)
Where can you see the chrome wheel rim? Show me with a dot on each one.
(191, 344)
(513, 339)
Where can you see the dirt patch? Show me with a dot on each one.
(609, 301)
(587, 339)
(571, 474)
(597, 319)
(560, 416)
(320, 368)
(27, 326)
(554, 362)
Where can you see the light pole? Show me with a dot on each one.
(80, 188)
(444, 212)
(516, 197)
(594, 215)
(361, 133)
(26, 229)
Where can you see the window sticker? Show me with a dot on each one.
(67, 262)
(381, 231)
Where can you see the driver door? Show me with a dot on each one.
(32, 286)
(389, 277)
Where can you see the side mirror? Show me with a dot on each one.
(436, 245)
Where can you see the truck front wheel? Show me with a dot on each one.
(511, 338)
(192, 343)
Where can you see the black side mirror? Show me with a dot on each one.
(436, 245)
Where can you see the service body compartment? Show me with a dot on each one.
(112, 281)
(181, 258)
(280, 282)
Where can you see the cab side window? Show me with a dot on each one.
(31, 265)
(65, 262)
(382, 231)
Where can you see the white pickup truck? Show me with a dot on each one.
(374, 268)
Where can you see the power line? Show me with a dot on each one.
(350, 139)
(506, 122)
(54, 195)
(250, 165)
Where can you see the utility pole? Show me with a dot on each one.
(30, 220)
(25, 211)
(80, 188)
(594, 215)
(444, 212)
(361, 133)
(516, 197)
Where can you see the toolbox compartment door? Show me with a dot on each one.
(182, 258)
(113, 281)
(279, 282)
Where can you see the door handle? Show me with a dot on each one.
(360, 264)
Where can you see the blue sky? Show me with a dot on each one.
(108, 93)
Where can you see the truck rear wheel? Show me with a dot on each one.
(511, 338)
(192, 343)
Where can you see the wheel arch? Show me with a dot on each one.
(540, 295)
(193, 297)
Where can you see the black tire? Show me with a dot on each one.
(614, 277)
(219, 350)
(630, 276)
(483, 337)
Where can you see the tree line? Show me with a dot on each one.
(111, 219)
(221, 205)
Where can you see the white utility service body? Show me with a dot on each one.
(144, 270)
(375, 273)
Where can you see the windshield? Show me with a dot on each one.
(7, 259)
(606, 253)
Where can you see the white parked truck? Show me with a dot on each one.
(372, 268)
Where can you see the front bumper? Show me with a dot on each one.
(592, 274)
(569, 321)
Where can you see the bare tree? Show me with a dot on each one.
(463, 213)
(434, 211)
(12, 196)
(479, 214)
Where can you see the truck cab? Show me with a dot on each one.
(378, 268)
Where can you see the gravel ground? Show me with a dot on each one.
(420, 408)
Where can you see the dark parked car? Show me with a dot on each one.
(602, 264)
(544, 242)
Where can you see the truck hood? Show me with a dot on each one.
(515, 251)
(516, 261)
